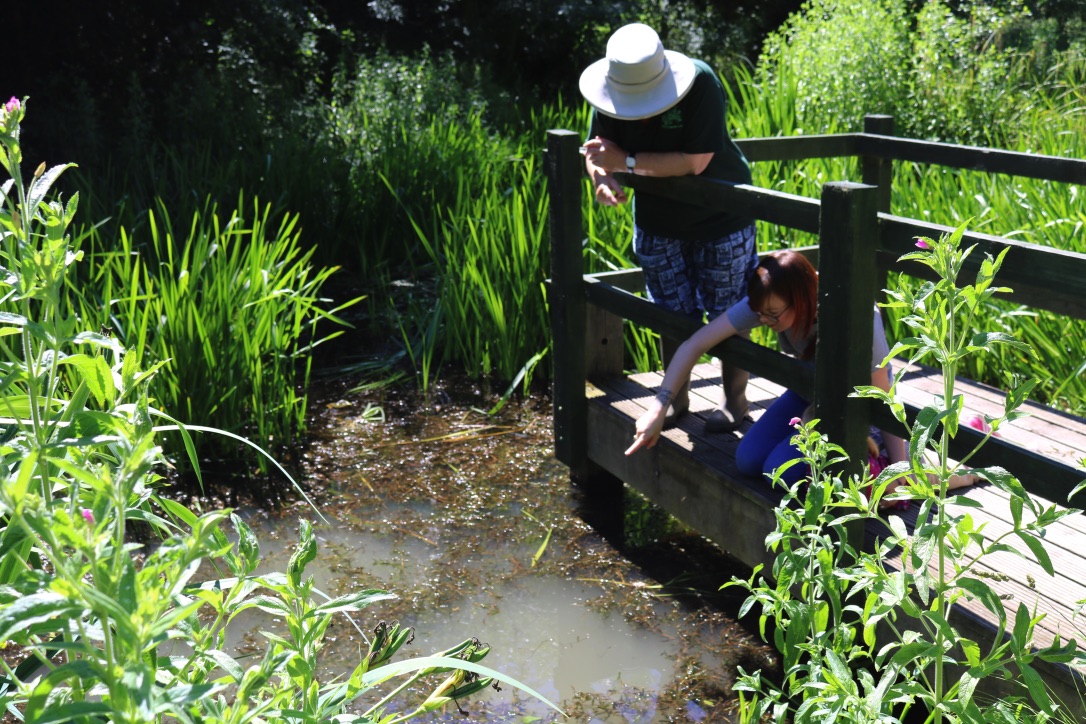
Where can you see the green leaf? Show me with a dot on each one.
(36, 608)
(225, 662)
(96, 374)
(41, 185)
(81, 669)
(925, 543)
(1016, 511)
(968, 682)
(17, 320)
(911, 653)
(398, 668)
(1037, 689)
(267, 604)
(178, 511)
(840, 671)
(168, 699)
(1004, 480)
(126, 585)
(248, 545)
(1038, 549)
(988, 598)
(169, 620)
(351, 602)
(963, 501)
(1060, 654)
(971, 650)
(984, 340)
(304, 554)
(1022, 626)
(71, 711)
(924, 428)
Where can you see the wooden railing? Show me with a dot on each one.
(859, 241)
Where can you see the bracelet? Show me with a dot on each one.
(664, 397)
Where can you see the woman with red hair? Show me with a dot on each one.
(782, 294)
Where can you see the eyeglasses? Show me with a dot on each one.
(773, 318)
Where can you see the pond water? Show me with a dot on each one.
(474, 525)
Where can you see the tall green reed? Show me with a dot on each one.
(231, 303)
(487, 249)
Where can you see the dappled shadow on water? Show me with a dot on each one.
(469, 519)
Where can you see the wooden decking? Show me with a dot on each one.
(736, 511)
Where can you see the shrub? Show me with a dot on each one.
(827, 599)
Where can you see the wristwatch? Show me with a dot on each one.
(631, 161)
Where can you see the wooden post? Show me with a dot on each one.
(567, 299)
(604, 344)
(602, 506)
(846, 292)
(879, 171)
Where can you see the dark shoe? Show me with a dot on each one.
(729, 416)
(675, 411)
(723, 421)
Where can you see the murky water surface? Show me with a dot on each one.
(474, 525)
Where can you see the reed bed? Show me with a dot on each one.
(227, 306)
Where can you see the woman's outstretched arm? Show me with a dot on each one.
(651, 423)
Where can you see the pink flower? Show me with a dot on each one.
(978, 423)
(12, 105)
(795, 422)
(921, 244)
(88, 516)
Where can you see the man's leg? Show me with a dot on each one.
(670, 282)
(724, 266)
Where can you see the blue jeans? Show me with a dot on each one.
(768, 443)
(695, 277)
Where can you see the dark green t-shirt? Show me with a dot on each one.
(696, 124)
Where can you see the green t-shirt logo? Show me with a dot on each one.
(673, 118)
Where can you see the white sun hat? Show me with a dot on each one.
(638, 78)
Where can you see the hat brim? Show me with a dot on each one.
(645, 104)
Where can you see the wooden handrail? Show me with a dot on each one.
(893, 148)
(991, 160)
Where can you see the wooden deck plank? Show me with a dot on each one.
(1050, 432)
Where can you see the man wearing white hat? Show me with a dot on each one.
(657, 112)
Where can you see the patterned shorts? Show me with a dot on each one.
(695, 277)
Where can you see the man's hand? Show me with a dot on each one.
(601, 158)
(605, 155)
(609, 192)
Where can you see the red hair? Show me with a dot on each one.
(790, 276)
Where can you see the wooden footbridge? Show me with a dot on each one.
(693, 476)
